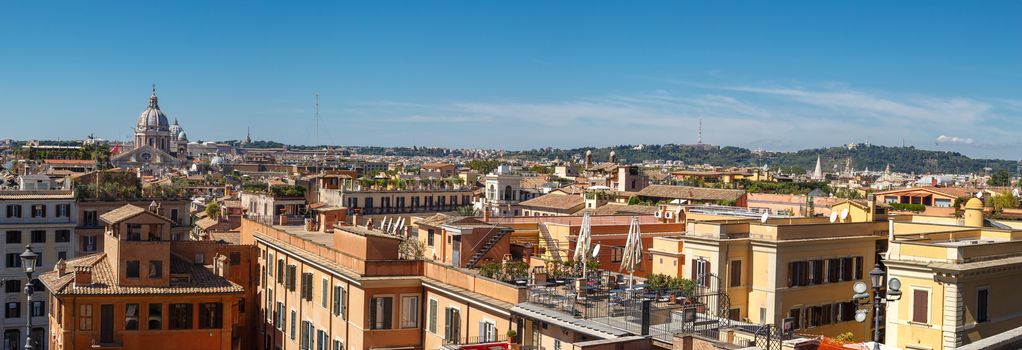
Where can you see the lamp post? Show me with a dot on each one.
(880, 297)
(28, 260)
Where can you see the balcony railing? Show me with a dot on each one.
(476, 340)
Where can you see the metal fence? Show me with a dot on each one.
(660, 313)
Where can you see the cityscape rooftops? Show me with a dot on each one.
(186, 278)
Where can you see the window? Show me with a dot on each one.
(39, 210)
(429, 237)
(337, 345)
(269, 271)
(85, 317)
(13, 211)
(307, 331)
(307, 286)
(131, 317)
(322, 340)
(280, 271)
(13, 236)
(982, 305)
(452, 324)
(409, 311)
(557, 344)
(432, 315)
(858, 268)
(736, 273)
(326, 293)
(920, 305)
(62, 236)
(618, 253)
(155, 269)
(180, 316)
(338, 308)
(38, 236)
(12, 286)
(798, 273)
(88, 244)
(211, 315)
(487, 331)
(13, 310)
(63, 210)
(134, 232)
(132, 267)
(701, 271)
(816, 272)
(38, 308)
(90, 218)
(827, 314)
(294, 321)
(381, 313)
(13, 260)
(279, 316)
(291, 269)
(155, 317)
(796, 315)
(61, 256)
(173, 215)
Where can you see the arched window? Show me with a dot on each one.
(491, 192)
(508, 194)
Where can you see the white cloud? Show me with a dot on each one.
(955, 140)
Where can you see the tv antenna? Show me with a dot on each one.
(317, 119)
(699, 138)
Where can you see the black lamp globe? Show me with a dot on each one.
(28, 259)
(877, 276)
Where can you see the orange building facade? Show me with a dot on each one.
(146, 291)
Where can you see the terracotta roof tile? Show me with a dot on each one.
(554, 201)
(200, 279)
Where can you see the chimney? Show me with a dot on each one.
(486, 214)
(354, 218)
(61, 267)
(83, 275)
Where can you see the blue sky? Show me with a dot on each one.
(522, 74)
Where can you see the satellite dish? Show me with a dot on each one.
(833, 216)
(763, 219)
(979, 194)
(844, 214)
(596, 251)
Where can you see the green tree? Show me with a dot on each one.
(1000, 178)
(483, 166)
(212, 210)
(1006, 200)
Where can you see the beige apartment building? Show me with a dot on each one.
(959, 278)
(351, 289)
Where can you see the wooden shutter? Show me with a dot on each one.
(920, 305)
(372, 313)
(694, 268)
(858, 267)
(706, 273)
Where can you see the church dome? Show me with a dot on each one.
(182, 136)
(176, 129)
(152, 118)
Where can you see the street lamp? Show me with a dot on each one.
(28, 260)
(881, 297)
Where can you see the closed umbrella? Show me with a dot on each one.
(585, 238)
(633, 251)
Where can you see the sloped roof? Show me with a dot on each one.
(620, 209)
(201, 280)
(688, 192)
(206, 223)
(125, 212)
(554, 201)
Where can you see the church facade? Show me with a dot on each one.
(157, 143)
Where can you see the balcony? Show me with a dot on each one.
(478, 342)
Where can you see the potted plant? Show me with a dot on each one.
(513, 340)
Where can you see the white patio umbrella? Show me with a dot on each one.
(585, 239)
(633, 251)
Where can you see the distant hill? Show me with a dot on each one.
(901, 159)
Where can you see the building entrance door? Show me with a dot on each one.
(106, 313)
